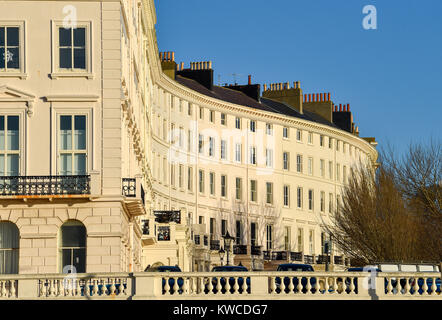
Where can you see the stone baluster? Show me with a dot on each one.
(51, 288)
(236, 286)
(407, 286)
(333, 286)
(425, 287)
(113, 288)
(78, 288)
(433, 287)
(326, 285)
(308, 286)
(210, 286)
(104, 290)
(123, 291)
(389, 287)
(12, 289)
(299, 285)
(175, 286)
(416, 286)
(227, 286)
(185, 286)
(272, 285)
(352, 285)
(244, 286)
(218, 285)
(95, 288)
(291, 286)
(167, 286)
(194, 285)
(3, 288)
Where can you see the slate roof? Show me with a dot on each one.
(237, 97)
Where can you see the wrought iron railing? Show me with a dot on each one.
(338, 260)
(322, 259)
(266, 255)
(167, 216)
(44, 185)
(163, 233)
(145, 228)
(308, 259)
(256, 250)
(214, 245)
(279, 255)
(239, 249)
(129, 187)
(296, 256)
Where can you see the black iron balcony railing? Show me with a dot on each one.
(296, 256)
(44, 185)
(196, 239)
(163, 233)
(256, 250)
(338, 260)
(167, 216)
(279, 255)
(308, 259)
(145, 228)
(214, 245)
(129, 187)
(322, 259)
(266, 255)
(239, 249)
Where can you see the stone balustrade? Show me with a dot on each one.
(223, 286)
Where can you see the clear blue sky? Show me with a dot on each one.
(392, 76)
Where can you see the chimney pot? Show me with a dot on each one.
(173, 56)
(322, 97)
(340, 107)
(328, 96)
(317, 97)
(348, 107)
(309, 97)
(250, 79)
(298, 84)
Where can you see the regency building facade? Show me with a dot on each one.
(114, 158)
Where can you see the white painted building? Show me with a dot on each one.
(96, 138)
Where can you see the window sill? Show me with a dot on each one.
(57, 75)
(20, 75)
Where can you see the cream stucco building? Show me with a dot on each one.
(102, 137)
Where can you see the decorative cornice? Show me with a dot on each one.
(72, 98)
(15, 95)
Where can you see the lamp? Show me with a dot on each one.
(221, 253)
(227, 242)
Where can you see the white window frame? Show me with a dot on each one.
(60, 73)
(21, 72)
(69, 110)
(22, 120)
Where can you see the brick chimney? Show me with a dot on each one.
(283, 93)
(201, 72)
(251, 90)
(168, 64)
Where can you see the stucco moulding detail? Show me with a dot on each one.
(9, 94)
(72, 98)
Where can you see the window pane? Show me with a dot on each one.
(13, 138)
(66, 164)
(65, 132)
(73, 236)
(79, 257)
(65, 37)
(12, 165)
(80, 164)
(79, 37)
(80, 58)
(2, 132)
(2, 164)
(80, 133)
(2, 58)
(2, 36)
(12, 36)
(13, 58)
(66, 58)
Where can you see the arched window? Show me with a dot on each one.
(72, 244)
(9, 243)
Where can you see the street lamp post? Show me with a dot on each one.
(221, 253)
(227, 242)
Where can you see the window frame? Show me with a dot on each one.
(22, 131)
(56, 71)
(21, 71)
